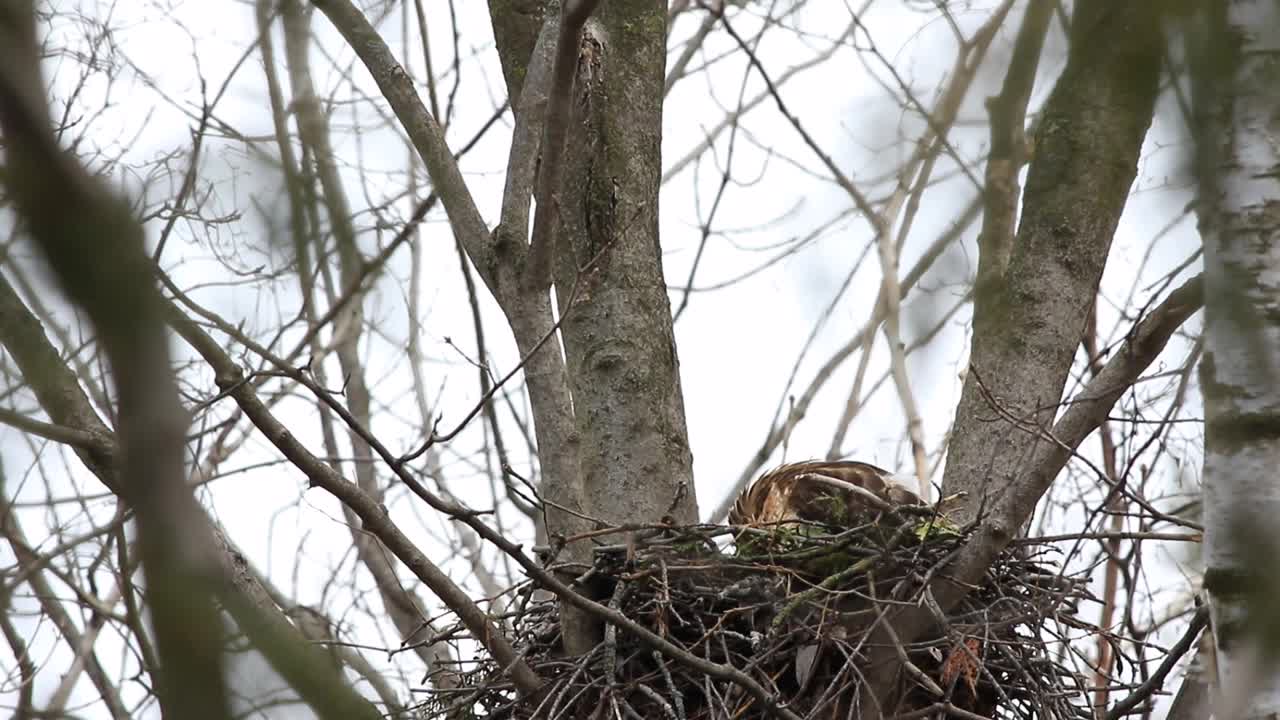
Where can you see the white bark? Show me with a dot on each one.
(1239, 135)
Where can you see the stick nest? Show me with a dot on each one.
(795, 608)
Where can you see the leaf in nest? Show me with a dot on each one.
(938, 526)
(806, 660)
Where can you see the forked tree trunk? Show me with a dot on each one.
(623, 372)
(1238, 124)
(1027, 318)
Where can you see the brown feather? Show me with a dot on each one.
(810, 491)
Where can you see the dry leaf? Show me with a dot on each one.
(806, 659)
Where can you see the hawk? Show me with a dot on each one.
(823, 492)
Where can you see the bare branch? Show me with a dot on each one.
(1009, 150)
(1152, 684)
(74, 437)
(81, 647)
(110, 278)
(498, 261)
(372, 513)
(64, 401)
(424, 131)
(859, 339)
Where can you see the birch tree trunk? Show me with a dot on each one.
(1237, 124)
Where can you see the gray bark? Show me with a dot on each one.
(623, 371)
(1028, 319)
(1006, 449)
(623, 366)
(515, 30)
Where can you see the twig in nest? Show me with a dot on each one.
(610, 643)
(739, 611)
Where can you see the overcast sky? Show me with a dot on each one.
(737, 344)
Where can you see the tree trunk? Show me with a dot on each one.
(1237, 123)
(619, 343)
(623, 372)
(1027, 320)
(618, 336)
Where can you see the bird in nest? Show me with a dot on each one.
(791, 504)
(830, 493)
